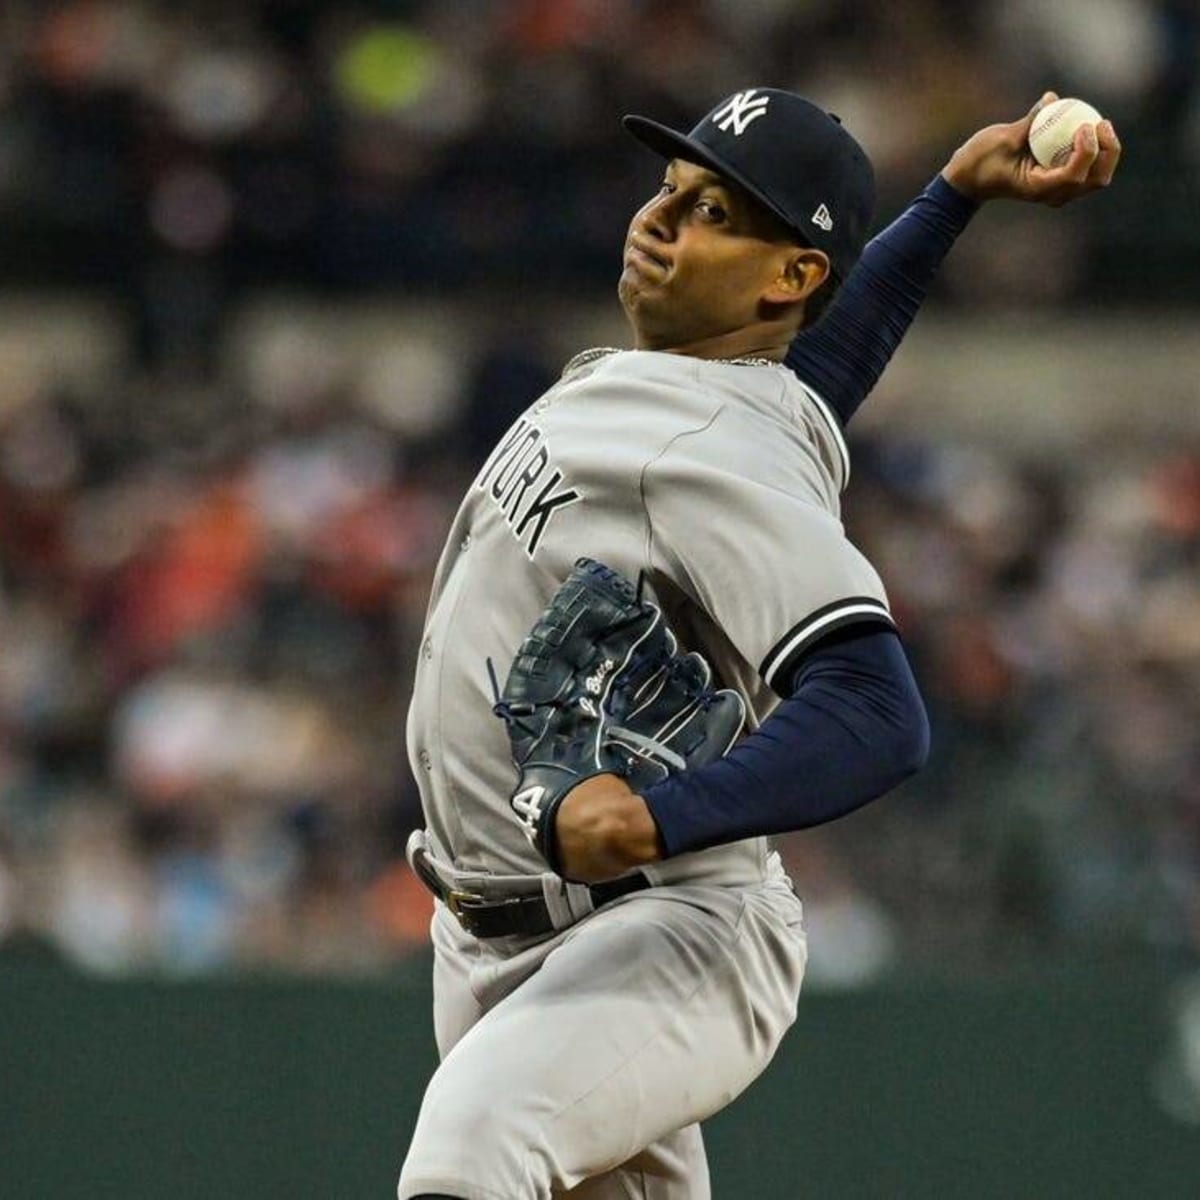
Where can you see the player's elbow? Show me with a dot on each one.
(908, 722)
(911, 739)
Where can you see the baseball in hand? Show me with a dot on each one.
(1052, 134)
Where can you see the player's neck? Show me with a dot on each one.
(753, 342)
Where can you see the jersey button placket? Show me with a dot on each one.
(426, 761)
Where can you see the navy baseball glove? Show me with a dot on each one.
(598, 687)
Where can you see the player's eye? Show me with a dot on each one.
(666, 188)
(712, 211)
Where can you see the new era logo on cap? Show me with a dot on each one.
(739, 111)
(823, 218)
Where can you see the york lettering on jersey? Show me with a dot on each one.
(523, 482)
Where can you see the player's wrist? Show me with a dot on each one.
(953, 198)
(640, 839)
(962, 176)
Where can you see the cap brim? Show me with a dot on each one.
(670, 143)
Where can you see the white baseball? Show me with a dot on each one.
(1052, 135)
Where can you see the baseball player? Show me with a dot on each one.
(589, 1018)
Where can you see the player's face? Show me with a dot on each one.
(700, 257)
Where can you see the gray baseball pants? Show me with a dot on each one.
(584, 1063)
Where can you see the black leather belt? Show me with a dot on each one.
(524, 916)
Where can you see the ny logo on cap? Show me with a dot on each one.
(739, 111)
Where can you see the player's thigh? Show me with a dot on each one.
(674, 1168)
(649, 1017)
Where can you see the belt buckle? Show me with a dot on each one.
(456, 898)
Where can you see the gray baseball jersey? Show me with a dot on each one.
(584, 1061)
(720, 480)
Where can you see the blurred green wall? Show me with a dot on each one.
(1038, 1086)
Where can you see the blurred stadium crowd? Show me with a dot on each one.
(216, 545)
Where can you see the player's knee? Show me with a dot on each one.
(468, 1132)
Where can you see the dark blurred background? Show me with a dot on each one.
(275, 274)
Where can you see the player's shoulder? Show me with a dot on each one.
(650, 398)
(728, 407)
(765, 401)
(810, 409)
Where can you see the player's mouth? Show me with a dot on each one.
(640, 256)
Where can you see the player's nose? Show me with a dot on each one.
(657, 220)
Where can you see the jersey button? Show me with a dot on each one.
(427, 648)
(424, 759)
(465, 544)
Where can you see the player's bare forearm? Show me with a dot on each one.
(996, 163)
(603, 830)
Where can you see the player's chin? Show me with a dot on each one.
(631, 290)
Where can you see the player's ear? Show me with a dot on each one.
(801, 273)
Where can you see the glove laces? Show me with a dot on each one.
(507, 711)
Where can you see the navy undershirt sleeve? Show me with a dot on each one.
(842, 356)
(854, 727)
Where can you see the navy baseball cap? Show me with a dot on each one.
(792, 156)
